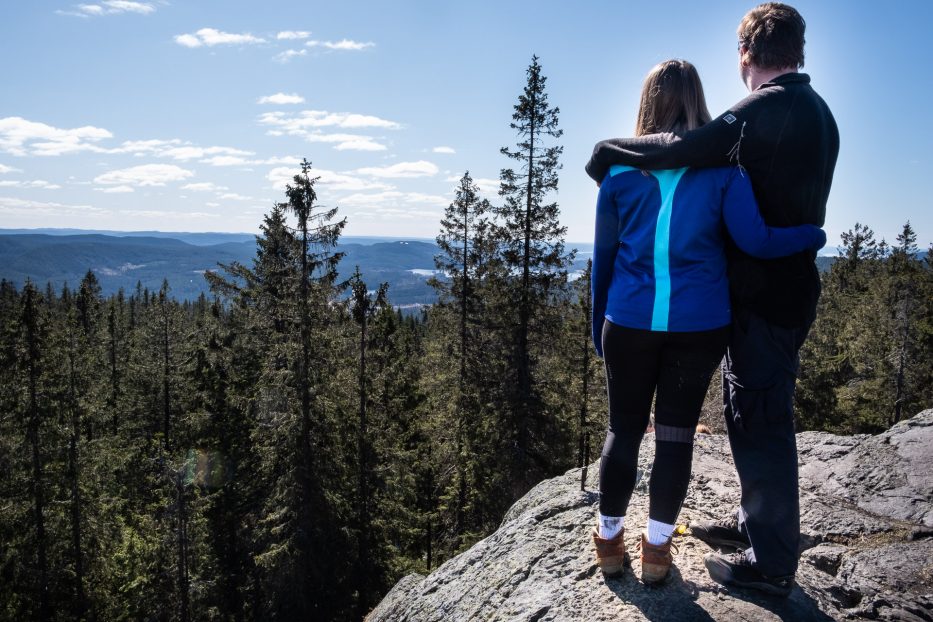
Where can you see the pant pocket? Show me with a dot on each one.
(757, 408)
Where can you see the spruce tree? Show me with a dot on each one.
(531, 242)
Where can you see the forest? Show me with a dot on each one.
(290, 446)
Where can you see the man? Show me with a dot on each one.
(785, 138)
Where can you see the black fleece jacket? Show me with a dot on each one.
(784, 135)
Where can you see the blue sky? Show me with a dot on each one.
(189, 115)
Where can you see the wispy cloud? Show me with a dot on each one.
(282, 99)
(233, 196)
(421, 168)
(8, 169)
(293, 34)
(309, 119)
(190, 152)
(394, 199)
(35, 183)
(227, 160)
(205, 186)
(345, 142)
(329, 180)
(110, 7)
(308, 125)
(287, 55)
(26, 207)
(178, 150)
(343, 44)
(144, 175)
(443, 149)
(116, 189)
(21, 137)
(211, 37)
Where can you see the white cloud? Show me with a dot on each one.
(329, 180)
(141, 147)
(125, 6)
(421, 168)
(189, 41)
(287, 55)
(189, 153)
(9, 205)
(211, 37)
(21, 137)
(352, 142)
(307, 119)
(487, 186)
(116, 189)
(390, 198)
(361, 144)
(233, 196)
(110, 7)
(282, 98)
(343, 44)
(307, 124)
(444, 150)
(144, 175)
(8, 169)
(226, 160)
(178, 150)
(293, 34)
(204, 186)
(36, 183)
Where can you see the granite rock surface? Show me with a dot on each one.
(866, 521)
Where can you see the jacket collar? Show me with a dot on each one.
(793, 77)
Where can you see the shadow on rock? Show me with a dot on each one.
(799, 606)
(673, 601)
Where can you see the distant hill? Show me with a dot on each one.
(121, 261)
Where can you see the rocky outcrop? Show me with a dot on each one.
(866, 519)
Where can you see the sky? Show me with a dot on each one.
(191, 115)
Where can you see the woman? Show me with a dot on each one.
(661, 310)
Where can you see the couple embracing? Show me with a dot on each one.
(706, 235)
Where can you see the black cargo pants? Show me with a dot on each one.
(758, 378)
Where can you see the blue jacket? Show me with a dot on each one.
(658, 259)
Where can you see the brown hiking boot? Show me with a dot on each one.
(610, 554)
(656, 560)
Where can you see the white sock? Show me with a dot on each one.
(658, 532)
(610, 526)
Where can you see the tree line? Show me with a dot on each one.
(292, 446)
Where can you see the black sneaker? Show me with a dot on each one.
(736, 569)
(719, 533)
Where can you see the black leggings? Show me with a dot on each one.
(638, 362)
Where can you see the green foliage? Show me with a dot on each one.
(867, 363)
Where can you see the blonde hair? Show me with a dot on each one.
(672, 100)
